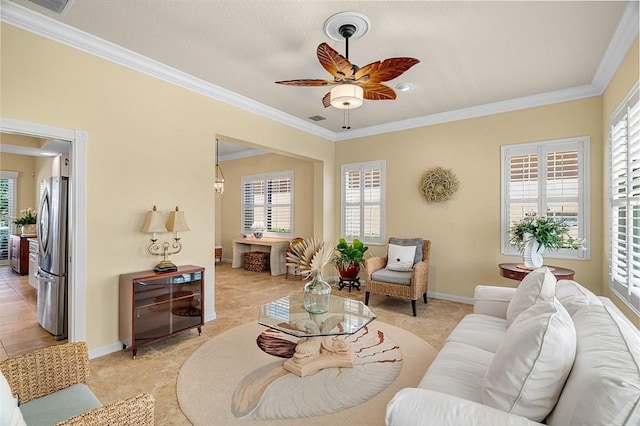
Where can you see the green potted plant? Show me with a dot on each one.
(533, 235)
(349, 258)
(27, 221)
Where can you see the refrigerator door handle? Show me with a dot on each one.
(44, 278)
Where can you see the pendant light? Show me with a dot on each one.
(218, 183)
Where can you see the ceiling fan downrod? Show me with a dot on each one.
(346, 31)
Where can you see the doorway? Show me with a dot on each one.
(77, 213)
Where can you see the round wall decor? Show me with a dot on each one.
(438, 185)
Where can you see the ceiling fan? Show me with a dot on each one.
(351, 83)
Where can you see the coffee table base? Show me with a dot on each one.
(316, 353)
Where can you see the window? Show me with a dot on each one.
(363, 202)
(268, 199)
(547, 178)
(624, 255)
(7, 211)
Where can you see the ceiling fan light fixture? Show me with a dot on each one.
(347, 96)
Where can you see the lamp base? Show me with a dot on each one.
(165, 266)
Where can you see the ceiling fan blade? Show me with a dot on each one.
(386, 70)
(307, 82)
(377, 92)
(326, 100)
(336, 64)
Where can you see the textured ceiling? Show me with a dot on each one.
(472, 53)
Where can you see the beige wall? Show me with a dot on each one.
(624, 79)
(231, 200)
(26, 183)
(465, 231)
(149, 142)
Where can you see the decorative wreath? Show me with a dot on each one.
(438, 184)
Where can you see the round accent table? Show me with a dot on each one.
(511, 270)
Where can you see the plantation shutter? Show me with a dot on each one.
(363, 202)
(268, 199)
(545, 178)
(7, 211)
(625, 201)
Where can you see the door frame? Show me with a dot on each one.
(77, 296)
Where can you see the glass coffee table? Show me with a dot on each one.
(321, 344)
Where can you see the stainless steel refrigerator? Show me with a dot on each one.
(52, 264)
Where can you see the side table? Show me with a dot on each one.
(511, 270)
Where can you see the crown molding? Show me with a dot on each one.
(44, 26)
(31, 21)
(624, 36)
(516, 104)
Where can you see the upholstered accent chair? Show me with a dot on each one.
(397, 275)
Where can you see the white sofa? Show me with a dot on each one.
(544, 352)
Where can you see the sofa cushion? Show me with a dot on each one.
(573, 296)
(400, 258)
(538, 285)
(458, 370)
(604, 385)
(417, 242)
(59, 406)
(10, 414)
(385, 275)
(532, 363)
(482, 331)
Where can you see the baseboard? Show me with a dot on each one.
(450, 297)
(117, 346)
(105, 350)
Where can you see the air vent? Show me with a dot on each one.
(317, 118)
(57, 6)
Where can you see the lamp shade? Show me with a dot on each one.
(176, 221)
(153, 222)
(347, 96)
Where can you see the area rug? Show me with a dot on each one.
(230, 380)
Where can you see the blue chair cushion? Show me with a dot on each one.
(395, 277)
(59, 406)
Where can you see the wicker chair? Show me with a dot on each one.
(418, 279)
(296, 270)
(43, 372)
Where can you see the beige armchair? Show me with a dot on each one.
(47, 377)
(403, 284)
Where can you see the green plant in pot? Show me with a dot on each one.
(349, 258)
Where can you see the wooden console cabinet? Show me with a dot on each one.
(19, 254)
(157, 305)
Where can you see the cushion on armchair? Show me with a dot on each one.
(395, 277)
(400, 258)
(10, 414)
(417, 242)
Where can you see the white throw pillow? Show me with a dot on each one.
(401, 258)
(10, 414)
(538, 285)
(531, 365)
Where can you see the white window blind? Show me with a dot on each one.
(8, 189)
(363, 201)
(624, 267)
(269, 199)
(547, 178)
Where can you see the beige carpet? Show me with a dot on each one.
(223, 366)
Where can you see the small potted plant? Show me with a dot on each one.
(349, 258)
(27, 221)
(533, 235)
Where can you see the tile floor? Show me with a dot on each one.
(19, 328)
(238, 296)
